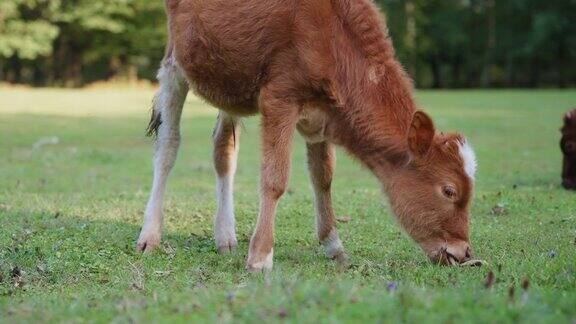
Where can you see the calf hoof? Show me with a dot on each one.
(340, 257)
(226, 242)
(148, 241)
(227, 248)
(341, 261)
(260, 263)
(334, 248)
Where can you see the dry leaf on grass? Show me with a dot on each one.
(499, 210)
(344, 219)
(489, 280)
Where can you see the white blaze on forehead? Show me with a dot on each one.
(469, 158)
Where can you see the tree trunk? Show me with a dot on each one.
(456, 73)
(37, 75)
(115, 67)
(14, 74)
(510, 73)
(132, 73)
(436, 73)
(534, 73)
(411, 37)
(561, 65)
(59, 60)
(490, 43)
(73, 70)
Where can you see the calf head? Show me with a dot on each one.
(568, 146)
(431, 195)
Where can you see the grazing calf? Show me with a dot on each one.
(326, 68)
(568, 146)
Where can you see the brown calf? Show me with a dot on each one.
(568, 146)
(326, 68)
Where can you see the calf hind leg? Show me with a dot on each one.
(226, 147)
(165, 123)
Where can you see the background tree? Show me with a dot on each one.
(25, 34)
(442, 43)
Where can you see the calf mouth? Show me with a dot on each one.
(445, 258)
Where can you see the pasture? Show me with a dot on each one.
(75, 172)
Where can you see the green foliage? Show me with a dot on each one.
(27, 40)
(470, 43)
(23, 37)
(443, 43)
(70, 214)
(70, 39)
(103, 15)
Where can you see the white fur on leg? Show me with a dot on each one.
(169, 101)
(165, 156)
(151, 233)
(224, 223)
(149, 238)
(333, 246)
(262, 265)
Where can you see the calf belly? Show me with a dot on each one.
(225, 48)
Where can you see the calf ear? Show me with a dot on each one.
(420, 134)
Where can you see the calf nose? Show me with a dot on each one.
(460, 251)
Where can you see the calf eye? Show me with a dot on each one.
(449, 192)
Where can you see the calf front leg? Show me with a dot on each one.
(278, 123)
(165, 122)
(226, 145)
(321, 162)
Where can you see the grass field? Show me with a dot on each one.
(71, 209)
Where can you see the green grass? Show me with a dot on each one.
(70, 214)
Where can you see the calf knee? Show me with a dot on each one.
(322, 186)
(273, 190)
